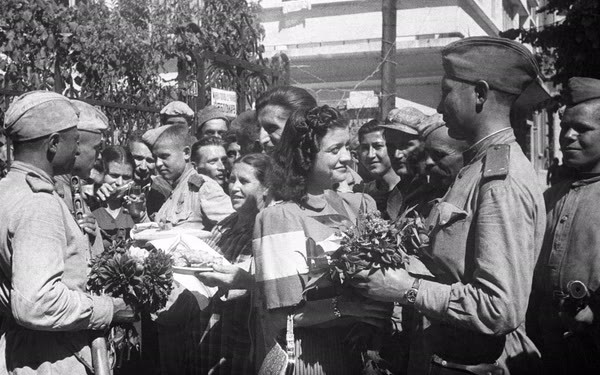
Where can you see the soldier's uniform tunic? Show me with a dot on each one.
(43, 272)
(196, 200)
(486, 234)
(63, 188)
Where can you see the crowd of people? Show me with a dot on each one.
(514, 271)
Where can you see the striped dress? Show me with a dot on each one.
(282, 272)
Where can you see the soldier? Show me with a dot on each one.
(567, 323)
(46, 313)
(212, 122)
(486, 232)
(446, 153)
(91, 126)
(195, 201)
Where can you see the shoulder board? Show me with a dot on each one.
(196, 180)
(38, 185)
(497, 161)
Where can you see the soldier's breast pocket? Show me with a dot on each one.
(449, 230)
(445, 216)
(183, 210)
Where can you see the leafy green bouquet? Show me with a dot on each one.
(142, 277)
(377, 244)
(371, 244)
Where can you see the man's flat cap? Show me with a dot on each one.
(405, 120)
(582, 89)
(176, 108)
(39, 113)
(91, 119)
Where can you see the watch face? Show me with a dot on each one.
(411, 295)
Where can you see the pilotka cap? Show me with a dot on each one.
(582, 89)
(39, 113)
(506, 66)
(91, 119)
(151, 136)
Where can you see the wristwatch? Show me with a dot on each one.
(411, 295)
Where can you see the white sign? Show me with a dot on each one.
(362, 99)
(226, 100)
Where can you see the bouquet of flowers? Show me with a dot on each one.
(371, 244)
(142, 277)
(374, 243)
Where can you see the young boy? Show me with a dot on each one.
(195, 201)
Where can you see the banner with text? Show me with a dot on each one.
(226, 100)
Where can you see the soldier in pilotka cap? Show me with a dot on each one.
(565, 308)
(486, 232)
(92, 125)
(196, 200)
(211, 122)
(46, 312)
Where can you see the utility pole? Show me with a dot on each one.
(388, 54)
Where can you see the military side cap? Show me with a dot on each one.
(151, 136)
(37, 114)
(210, 113)
(582, 89)
(176, 108)
(91, 119)
(404, 119)
(430, 124)
(506, 66)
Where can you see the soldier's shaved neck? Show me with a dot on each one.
(41, 152)
(492, 111)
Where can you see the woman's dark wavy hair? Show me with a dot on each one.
(291, 98)
(293, 157)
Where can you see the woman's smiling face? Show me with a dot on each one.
(245, 190)
(331, 162)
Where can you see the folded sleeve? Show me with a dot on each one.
(495, 300)
(279, 246)
(39, 299)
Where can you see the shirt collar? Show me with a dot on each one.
(477, 150)
(27, 168)
(186, 172)
(317, 202)
(582, 179)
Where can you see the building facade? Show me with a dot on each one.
(335, 47)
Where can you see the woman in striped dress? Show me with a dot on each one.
(311, 156)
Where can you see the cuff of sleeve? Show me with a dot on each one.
(433, 298)
(102, 312)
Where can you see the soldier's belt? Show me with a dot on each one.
(440, 366)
